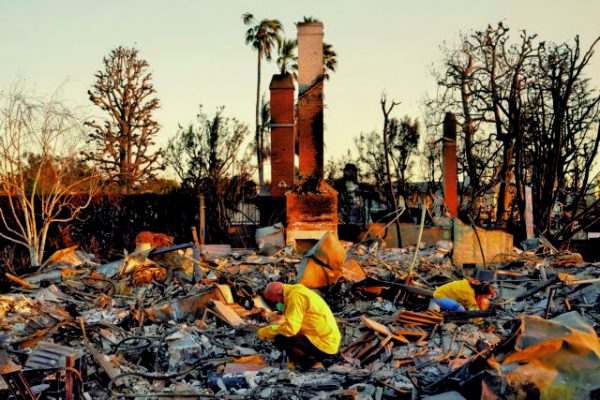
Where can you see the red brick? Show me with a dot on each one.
(450, 165)
(310, 128)
(282, 134)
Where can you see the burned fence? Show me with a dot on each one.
(111, 222)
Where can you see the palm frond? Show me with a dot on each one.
(329, 59)
(248, 18)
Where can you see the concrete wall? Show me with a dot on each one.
(410, 234)
(466, 250)
(495, 244)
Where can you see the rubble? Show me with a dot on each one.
(326, 262)
(180, 321)
(270, 240)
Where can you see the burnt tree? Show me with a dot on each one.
(122, 144)
(209, 158)
(557, 154)
(528, 116)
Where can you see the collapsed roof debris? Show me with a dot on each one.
(180, 321)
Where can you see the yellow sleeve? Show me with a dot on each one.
(468, 297)
(294, 315)
(460, 291)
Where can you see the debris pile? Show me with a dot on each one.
(180, 321)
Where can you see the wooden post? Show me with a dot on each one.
(197, 275)
(202, 220)
(529, 212)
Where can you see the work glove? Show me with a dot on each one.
(265, 333)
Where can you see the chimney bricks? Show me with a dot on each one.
(282, 133)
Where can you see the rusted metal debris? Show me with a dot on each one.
(181, 321)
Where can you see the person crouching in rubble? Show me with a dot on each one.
(309, 332)
(466, 294)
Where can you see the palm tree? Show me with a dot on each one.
(265, 126)
(329, 59)
(262, 35)
(288, 60)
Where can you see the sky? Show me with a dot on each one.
(197, 53)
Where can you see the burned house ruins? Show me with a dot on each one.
(180, 320)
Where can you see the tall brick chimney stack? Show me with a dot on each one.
(310, 98)
(282, 133)
(450, 165)
(311, 212)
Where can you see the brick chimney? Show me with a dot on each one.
(312, 213)
(310, 98)
(450, 165)
(282, 133)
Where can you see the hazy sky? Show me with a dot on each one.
(197, 54)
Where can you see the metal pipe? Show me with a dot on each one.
(70, 364)
(549, 304)
(582, 281)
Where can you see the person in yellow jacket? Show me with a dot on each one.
(466, 294)
(309, 332)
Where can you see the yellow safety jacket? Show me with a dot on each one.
(460, 291)
(307, 313)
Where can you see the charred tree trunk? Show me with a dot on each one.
(392, 195)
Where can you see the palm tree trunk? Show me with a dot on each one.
(258, 133)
